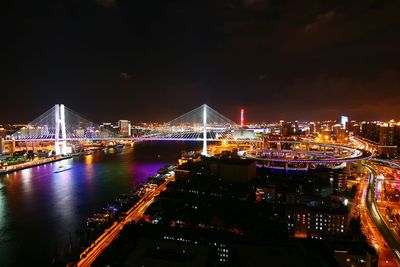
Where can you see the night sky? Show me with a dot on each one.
(153, 60)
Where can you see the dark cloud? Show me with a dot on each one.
(124, 76)
(320, 20)
(327, 96)
(279, 59)
(107, 3)
(256, 5)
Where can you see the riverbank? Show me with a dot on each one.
(103, 224)
(30, 164)
(42, 210)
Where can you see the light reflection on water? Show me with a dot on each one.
(40, 208)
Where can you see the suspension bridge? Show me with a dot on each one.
(62, 125)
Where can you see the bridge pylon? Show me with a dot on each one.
(204, 152)
(60, 136)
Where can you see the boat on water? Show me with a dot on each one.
(62, 168)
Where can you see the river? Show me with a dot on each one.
(39, 208)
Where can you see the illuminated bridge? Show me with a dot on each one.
(61, 125)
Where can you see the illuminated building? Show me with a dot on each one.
(312, 127)
(339, 180)
(267, 193)
(336, 130)
(3, 132)
(286, 128)
(124, 128)
(341, 135)
(386, 140)
(355, 128)
(370, 130)
(296, 126)
(397, 134)
(317, 127)
(386, 135)
(243, 133)
(344, 120)
(326, 135)
(317, 222)
(107, 128)
(358, 254)
(1, 146)
(329, 125)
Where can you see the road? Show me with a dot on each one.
(385, 241)
(135, 213)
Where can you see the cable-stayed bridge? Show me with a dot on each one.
(61, 125)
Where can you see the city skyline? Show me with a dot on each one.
(236, 118)
(200, 133)
(110, 59)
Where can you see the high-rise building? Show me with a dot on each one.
(107, 128)
(386, 135)
(3, 132)
(1, 146)
(317, 222)
(336, 128)
(312, 127)
(296, 126)
(124, 128)
(339, 180)
(317, 127)
(397, 134)
(355, 128)
(344, 120)
(342, 135)
(370, 130)
(287, 128)
(329, 125)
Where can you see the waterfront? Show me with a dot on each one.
(39, 208)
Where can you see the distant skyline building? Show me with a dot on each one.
(312, 127)
(108, 126)
(336, 128)
(124, 128)
(344, 120)
(386, 135)
(1, 145)
(370, 130)
(296, 126)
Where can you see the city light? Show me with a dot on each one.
(214, 133)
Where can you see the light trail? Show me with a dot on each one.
(88, 256)
(270, 155)
(386, 242)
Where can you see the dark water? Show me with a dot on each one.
(39, 208)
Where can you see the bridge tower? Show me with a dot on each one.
(204, 153)
(60, 135)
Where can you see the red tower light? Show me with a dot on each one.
(242, 117)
